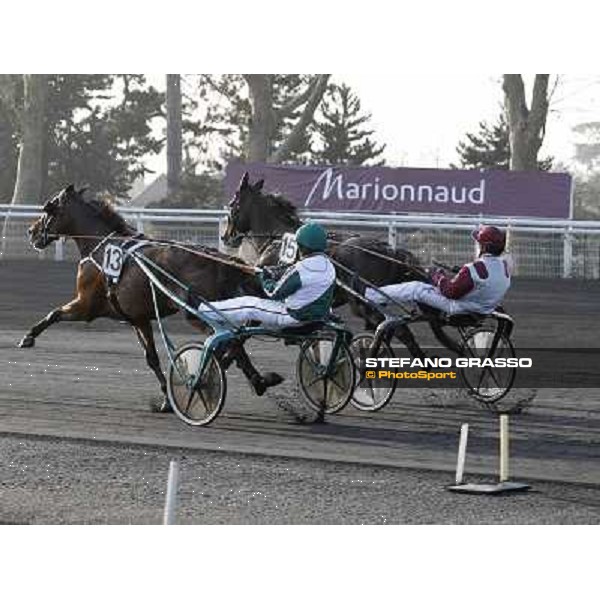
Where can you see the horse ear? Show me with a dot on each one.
(70, 189)
(245, 181)
(82, 190)
(258, 186)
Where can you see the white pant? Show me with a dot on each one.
(271, 314)
(416, 291)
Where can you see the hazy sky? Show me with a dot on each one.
(421, 118)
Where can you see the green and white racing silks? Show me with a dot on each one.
(306, 288)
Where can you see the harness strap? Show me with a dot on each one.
(90, 256)
(101, 242)
(93, 261)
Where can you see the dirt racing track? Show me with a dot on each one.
(90, 381)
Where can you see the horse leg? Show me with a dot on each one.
(405, 335)
(89, 304)
(444, 338)
(260, 383)
(146, 338)
(76, 310)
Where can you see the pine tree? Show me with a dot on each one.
(226, 110)
(341, 132)
(489, 148)
(98, 131)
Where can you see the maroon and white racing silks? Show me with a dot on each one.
(462, 283)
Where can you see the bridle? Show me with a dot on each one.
(237, 237)
(44, 235)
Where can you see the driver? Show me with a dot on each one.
(479, 287)
(304, 292)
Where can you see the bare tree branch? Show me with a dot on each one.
(295, 135)
(289, 107)
(213, 84)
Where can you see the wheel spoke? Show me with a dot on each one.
(337, 385)
(313, 363)
(203, 398)
(189, 400)
(490, 370)
(313, 381)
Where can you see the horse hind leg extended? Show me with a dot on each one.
(146, 338)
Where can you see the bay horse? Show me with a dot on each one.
(91, 224)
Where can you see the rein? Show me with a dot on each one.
(412, 268)
(231, 263)
(272, 237)
(367, 283)
(169, 244)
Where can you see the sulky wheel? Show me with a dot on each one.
(366, 396)
(195, 402)
(323, 386)
(487, 384)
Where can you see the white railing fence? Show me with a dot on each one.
(545, 248)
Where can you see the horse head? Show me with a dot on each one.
(241, 211)
(56, 220)
(252, 211)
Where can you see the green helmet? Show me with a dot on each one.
(312, 237)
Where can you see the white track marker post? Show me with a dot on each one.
(171, 499)
(504, 448)
(462, 453)
(503, 485)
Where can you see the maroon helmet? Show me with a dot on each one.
(491, 239)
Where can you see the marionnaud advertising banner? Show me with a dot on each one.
(385, 190)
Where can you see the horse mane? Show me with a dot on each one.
(285, 210)
(110, 216)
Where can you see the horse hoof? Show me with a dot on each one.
(272, 379)
(161, 407)
(320, 418)
(262, 384)
(27, 342)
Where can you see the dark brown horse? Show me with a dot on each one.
(88, 223)
(257, 220)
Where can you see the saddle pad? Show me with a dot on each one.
(115, 256)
